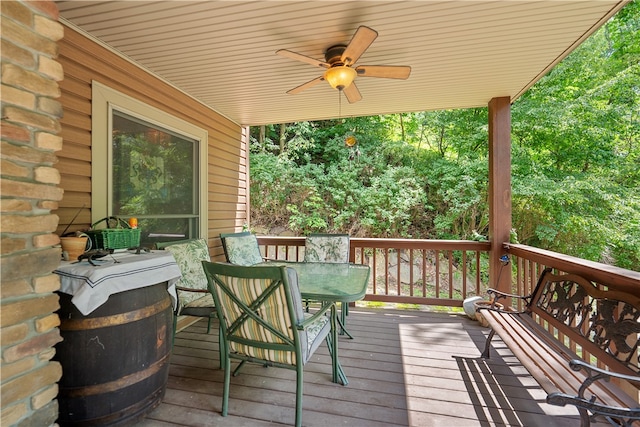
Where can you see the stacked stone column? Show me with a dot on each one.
(29, 191)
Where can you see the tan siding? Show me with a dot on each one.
(71, 85)
(70, 184)
(78, 122)
(76, 103)
(72, 167)
(71, 134)
(84, 61)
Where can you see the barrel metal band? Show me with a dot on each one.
(116, 385)
(115, 319)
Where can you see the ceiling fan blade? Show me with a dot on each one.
(299, 57)
(352, 93)
(386, 71)
(306, 85)
(360, 41)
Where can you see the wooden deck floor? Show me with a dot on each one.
(405, 368)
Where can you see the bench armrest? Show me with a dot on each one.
(499, 294)
(596, 373)
(591, 404)
(496, 295)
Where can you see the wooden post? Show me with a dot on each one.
(499, 190)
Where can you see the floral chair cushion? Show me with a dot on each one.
(189, 257)
(243, 250)
(327, 248)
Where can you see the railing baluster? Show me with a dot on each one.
(464, 274)
(451, 285)
(437, 288)
(424, 272)
(398, 273)
(478, 274)
(386, 271)
(411, 272)
(375, 269)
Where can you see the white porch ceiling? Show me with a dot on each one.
(462, 53)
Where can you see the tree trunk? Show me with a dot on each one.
(283, 133)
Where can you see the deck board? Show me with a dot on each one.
(405, 368)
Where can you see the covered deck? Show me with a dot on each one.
(213, 65)
(405, 368)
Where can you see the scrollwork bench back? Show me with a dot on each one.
(604, 327)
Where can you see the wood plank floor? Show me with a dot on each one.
(405, 368)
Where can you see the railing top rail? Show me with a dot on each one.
(623, 279)
(281, 240)
(359, 242)
(468, 245)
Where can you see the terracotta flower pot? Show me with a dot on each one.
(73, 246)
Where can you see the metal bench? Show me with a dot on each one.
(602, 323)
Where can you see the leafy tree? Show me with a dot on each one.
(575, 163)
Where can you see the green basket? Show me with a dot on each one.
(120, 237)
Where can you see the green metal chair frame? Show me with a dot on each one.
(262, 321)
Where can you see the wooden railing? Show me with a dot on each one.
(408, 271)
(528, 262)
(445, 272)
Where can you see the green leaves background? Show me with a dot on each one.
(575, 163)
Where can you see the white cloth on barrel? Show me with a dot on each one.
(91, 285)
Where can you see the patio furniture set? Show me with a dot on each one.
(264, 318)
(603, 322)
(260, 302)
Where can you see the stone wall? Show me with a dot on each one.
(29, 189)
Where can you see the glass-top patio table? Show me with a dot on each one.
(332, 282)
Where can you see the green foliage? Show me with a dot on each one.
(575, 163)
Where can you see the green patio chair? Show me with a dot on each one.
(262, 321)
(194, 298)
(333, 248)
(241, 248)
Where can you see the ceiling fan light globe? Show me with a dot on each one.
(340, 77)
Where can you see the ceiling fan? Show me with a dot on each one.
(339, 62)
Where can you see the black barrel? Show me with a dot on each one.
(115, 361)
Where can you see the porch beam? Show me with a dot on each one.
(499, 190)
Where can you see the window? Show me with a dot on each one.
(149, 165)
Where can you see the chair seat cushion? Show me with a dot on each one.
(316, 332)
(205, 300)
(199, 311)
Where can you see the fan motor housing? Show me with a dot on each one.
(333, 55)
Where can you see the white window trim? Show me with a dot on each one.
(104, 99)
